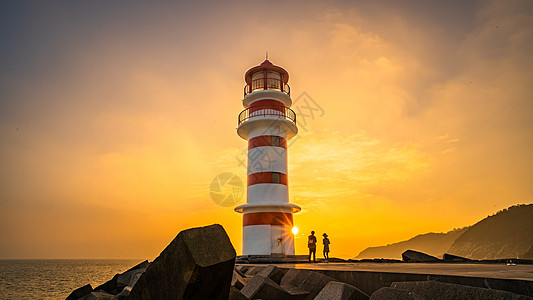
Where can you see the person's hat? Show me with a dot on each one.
(325, 235)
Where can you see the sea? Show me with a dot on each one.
(56, 278)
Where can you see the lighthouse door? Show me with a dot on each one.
(276, 239)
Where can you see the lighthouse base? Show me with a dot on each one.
(268, 240)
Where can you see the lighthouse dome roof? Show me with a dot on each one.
(268, 66)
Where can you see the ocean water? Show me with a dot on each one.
(56, 278)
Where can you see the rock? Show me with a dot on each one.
(273, 273)
(415, 256)
(125, 293)
(80, 292)
(197, 264)
(235, 294)
(252, 271)
(242, 268)
(262, 287)
(335, 290)
(307, 280)
(129, 278)
(295, 292)
(454, 258)
(97, 296)
(119, 281)
(239, 281)
(109, 287)
(239, 272)
(449, 291)
(387, 293)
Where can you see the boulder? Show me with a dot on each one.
(129, 278)
(235, 294)
(273, 273)
(415, 256)
(109, 287)
(97, 296)
(252, 271)
(239, 272)
(119, 281)
(335, 290)
(80, 292)
(313, 282)
(262, 287)
(125, 293)
(450, 291)
(239, 281)
(242, 268)
(454, 258)
(197, 264)
(295, 292)
(387, 293)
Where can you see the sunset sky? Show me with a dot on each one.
(415, 117)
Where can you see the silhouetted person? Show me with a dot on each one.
(326, 247)
(311, 244)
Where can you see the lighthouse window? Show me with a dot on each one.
(276, 177)
(275, 141)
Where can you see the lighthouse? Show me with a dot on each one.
(267, 123)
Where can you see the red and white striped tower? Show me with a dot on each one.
(267, 123)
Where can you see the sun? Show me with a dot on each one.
(295, 230)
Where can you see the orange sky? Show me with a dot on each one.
(115, 117)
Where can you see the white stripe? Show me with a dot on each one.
(267, 159)
(267, 193)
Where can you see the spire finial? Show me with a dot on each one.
(266, 55)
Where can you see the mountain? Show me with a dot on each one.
(435, 244)
(507, 234)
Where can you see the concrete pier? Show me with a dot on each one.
(370, 277)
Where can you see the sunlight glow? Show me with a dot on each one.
(295, 230)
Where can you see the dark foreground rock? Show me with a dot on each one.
(418, 257)
(387, 293)
(262, 287)
(98, 296)
(80, 292)
(335, 290)
(238, 280)
(119, 282)
(310, 281)
(273, 273)
(197, 264)
(449, 291)
(454, 258)
(235, 294)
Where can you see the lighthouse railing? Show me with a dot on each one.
(282, 112)
(268, 84)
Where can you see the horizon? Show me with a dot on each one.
(414, 117)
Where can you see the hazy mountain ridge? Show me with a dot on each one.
(506, 234)
(435, 244)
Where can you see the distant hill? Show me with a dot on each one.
(435, 244)
(507, 234)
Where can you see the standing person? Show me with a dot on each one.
(326, 247)
(311, 244)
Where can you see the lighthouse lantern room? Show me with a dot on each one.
(267, 123)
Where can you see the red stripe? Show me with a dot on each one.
(266, 177)
(268, 218)
(265, 140)
(267, 104)
(275, 103)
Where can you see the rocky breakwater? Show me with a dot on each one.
(200, 264)
(197, 264)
